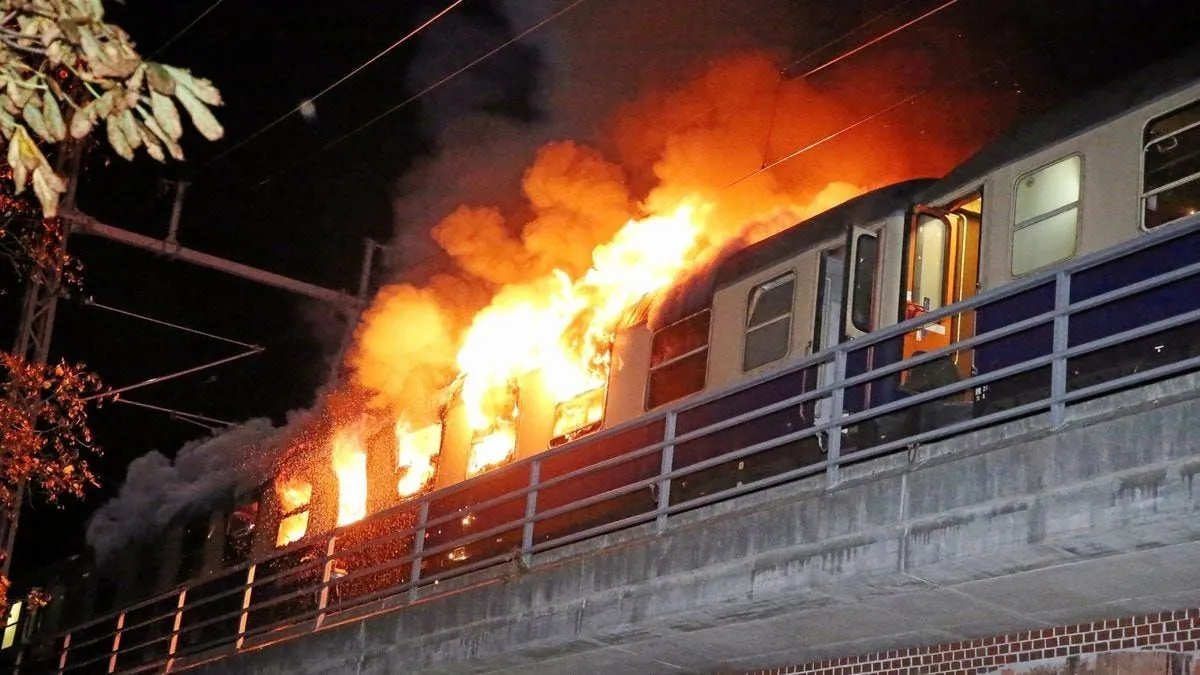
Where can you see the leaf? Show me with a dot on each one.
(133, 86)
(202, 88)
(129, 128)
(46, 186)
(70, 30)
(208, 125)
(33, 117)
(81, 121)
(153, 147)
(53, 117)
(104, 104)
(18, 94)
(7, 123)
(160, 80)
(116, 138)
(20, 173)
(171, 145)
(91, 47)
(166, 114)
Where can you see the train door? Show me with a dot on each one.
(943, 268)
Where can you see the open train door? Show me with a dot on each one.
(943, 268)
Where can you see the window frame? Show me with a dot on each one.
(765, 286)
(653, 368)
(1041, 217)
(850, 301)
(284, 516)
(1145, 146)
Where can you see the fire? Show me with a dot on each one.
(563, 329)
(350, 466)
(415, 451)
(294, 494)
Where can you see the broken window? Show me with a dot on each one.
(578, 416)
(294, 497)
(678, 360)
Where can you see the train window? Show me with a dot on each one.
(1171, 167)
(866, 252)
(239, 533)
(769, 322)
(196, 532)
(10, 626)
(678, 360)
(1047, 215)
(294, 496)
(929, 278)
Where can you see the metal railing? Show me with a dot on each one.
(647, 470)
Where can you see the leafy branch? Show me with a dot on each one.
(64, 72)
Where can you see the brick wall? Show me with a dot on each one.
(1177, 631)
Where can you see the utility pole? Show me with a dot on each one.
(41, 296)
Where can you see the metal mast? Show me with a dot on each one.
(42, 293)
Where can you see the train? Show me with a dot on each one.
(1117, 165)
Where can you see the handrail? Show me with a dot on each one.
(416, 551)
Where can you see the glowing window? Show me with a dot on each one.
(769, 322)
(10, 626)
(579, 416)
(416, 453)
(294, 497)
(1171, 167)
(678, 360)
(292, 529)
(1047, 215)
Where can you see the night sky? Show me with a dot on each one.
(310, 219)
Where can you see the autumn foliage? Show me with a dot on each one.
(43, 428)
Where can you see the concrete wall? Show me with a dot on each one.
(1007, 529)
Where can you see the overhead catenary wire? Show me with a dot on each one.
(183, 416)
(312, 99)
(421, 94)
(193, 22)
(879, 113)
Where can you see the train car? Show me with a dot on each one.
(1092, 176)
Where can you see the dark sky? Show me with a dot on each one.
(310, 219)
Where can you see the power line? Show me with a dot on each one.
(185, 29)
(312, 99)
(423, 92)
(876, 40)
(878, 113)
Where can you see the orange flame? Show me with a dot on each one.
(293, 493)
(415, 451)
(564, 329)
(350, 466)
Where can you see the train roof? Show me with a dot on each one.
(1081, 115)
(863, 209)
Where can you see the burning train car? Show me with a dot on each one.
(588, 408)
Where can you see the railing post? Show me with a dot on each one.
(62, 658)
(834, 434)
(116, 643)
(418, 548)
(326, 575)
(1058, 367)
(173, 645)
(535, 472)
(241, 638)
(668, 463)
